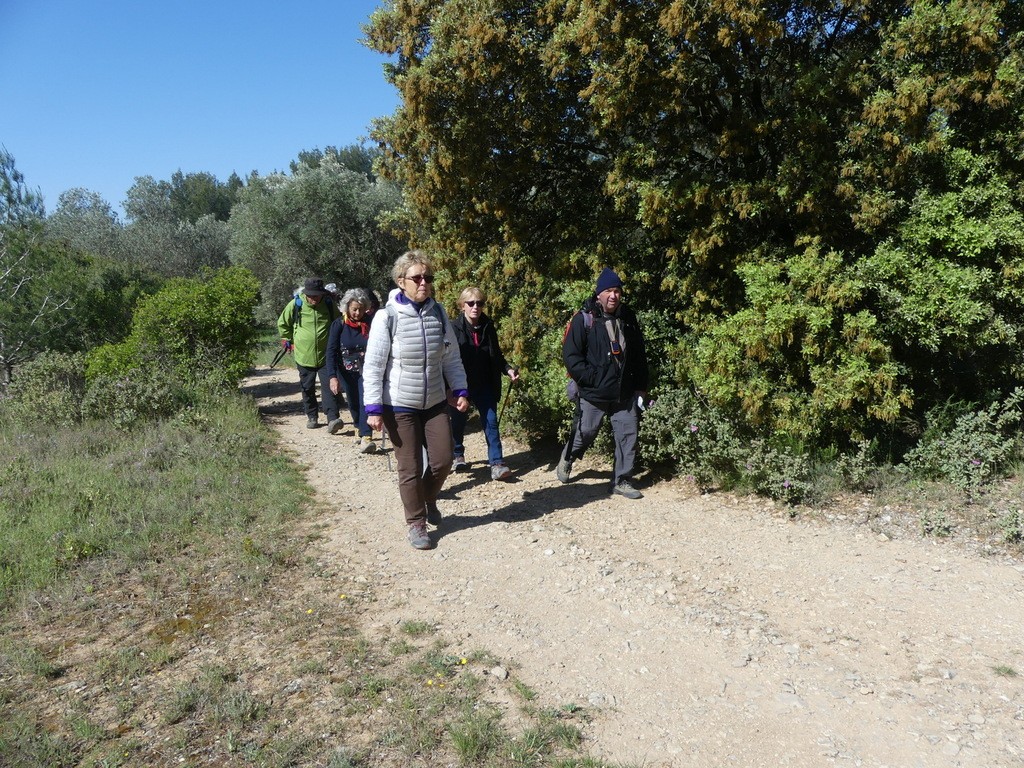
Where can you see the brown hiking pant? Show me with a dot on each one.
(409, 433)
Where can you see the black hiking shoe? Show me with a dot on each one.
(625, 488)
(433, 513)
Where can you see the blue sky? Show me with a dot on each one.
(96, 92)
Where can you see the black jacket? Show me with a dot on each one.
(603, 377)
(482, 359)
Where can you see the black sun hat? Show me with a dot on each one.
(314, 287)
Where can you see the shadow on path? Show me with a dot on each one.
(267, 391)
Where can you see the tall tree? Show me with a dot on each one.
(355, 157)
(18, 203)
(34, 295)
(195, 195)
(86, 222)
(324, 220)
(160, 237)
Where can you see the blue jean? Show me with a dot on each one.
(487, 403)
(352, 383)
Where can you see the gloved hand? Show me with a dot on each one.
(287, 345)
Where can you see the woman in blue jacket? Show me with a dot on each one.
(346, 349)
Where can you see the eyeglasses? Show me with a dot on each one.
(474, 303)
(428, 279)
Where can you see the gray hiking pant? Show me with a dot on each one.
(625, 427)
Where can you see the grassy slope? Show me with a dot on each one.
(160, 607)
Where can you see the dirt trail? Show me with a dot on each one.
(703, 630)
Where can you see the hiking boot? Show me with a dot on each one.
(459, 463)
(433, 513)
(312, 422)
(500, 472)
(625, 488)
(563, 470)
(366, 445)
(418, 536)
(334, 426)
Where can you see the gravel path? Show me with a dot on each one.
(702, 630)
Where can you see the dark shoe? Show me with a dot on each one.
(433, 513)
(459, 463)
(625, 488)
(500, 472)
(312, 422)
(418, 536)
(563, 470)
(334, 426)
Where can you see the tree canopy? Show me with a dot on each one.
(825, 196)
(323, 220)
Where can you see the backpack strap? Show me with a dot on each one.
(436, 310)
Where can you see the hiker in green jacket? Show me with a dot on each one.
(304, 325)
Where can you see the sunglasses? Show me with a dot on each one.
(474, 303)
(428, 279)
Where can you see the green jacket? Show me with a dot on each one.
(307, 330)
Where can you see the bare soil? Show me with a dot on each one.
(702, 630)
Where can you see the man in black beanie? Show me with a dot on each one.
(607, 361)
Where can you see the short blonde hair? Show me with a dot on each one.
(406, 260)
(469, 293)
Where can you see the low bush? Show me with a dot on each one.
(128, 401)
(50, 387)
(197, 331)
(967, 447)
(683, 431)
(781, 472)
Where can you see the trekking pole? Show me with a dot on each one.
(281, 353)
(384, 447)
(504, 402)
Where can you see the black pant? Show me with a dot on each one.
(307, 380)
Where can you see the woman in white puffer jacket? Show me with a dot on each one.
(412, 362)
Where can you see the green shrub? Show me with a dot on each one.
(1012, 526)
(779, 472)
(50, 386)
(128, 401)
(198, 331)
(935, 523)
(682, 430)
(969, 448)
(540, 408)
(112, 360)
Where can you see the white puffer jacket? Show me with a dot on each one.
(410, 359)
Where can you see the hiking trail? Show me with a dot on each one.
(699, 630)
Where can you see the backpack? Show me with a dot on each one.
(297, 311)
(572, 390)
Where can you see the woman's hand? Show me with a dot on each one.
(375, 422)
(513, 374)
(334, 385)
(461, 404)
